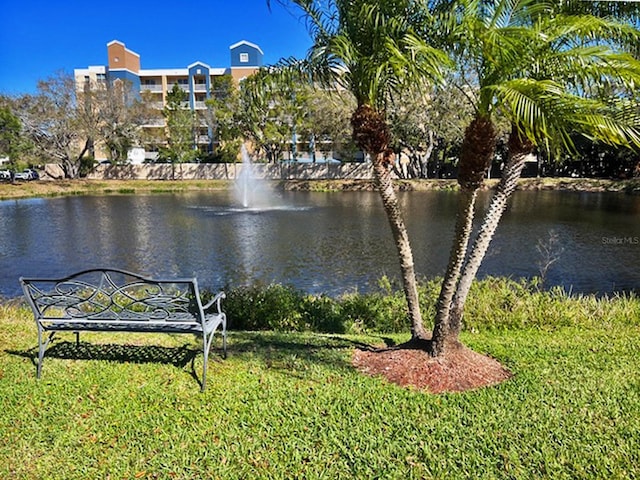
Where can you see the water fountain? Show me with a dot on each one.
(252, 192)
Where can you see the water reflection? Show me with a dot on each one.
(319, 242)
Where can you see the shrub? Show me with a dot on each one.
(493, 304)
(323, 314)
(87, 164)
(270, 307)
(381, 311)
(281, 308)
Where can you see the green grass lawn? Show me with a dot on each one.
(289, 405)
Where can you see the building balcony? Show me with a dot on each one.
(183, 87)
(200, 87)
(200, 105)
(151, 88)
(203, 139)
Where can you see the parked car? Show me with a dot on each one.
(5, 175)
(27, 174)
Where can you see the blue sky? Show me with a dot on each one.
(39, 38)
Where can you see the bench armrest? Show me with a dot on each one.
(217, 299)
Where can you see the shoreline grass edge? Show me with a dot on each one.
(54, 188)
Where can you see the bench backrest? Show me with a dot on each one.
(111, 295)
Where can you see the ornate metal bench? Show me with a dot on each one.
(111, 300)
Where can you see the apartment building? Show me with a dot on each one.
(195, 79)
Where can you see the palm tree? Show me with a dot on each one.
(535, 67)
(370, 48)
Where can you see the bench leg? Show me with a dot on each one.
(206, 346)
(207, 340)
(77, 338)
(42, 347)
(224, 343)
(205, 361)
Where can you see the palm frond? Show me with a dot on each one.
(370, 48)
(545, 110)
(574, 30)
(621, 10)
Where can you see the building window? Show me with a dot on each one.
(244, 58)
(101, 77)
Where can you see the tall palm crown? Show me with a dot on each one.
(535, 66)
(544, 71)
(369, 48)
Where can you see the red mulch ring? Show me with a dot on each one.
(459, 370)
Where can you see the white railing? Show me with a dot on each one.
(200, 105)
(151, 88)
(183, 87)
(200, 87)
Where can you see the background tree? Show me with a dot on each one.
(426, 123)
(270, 111)
(121, 114)
(328, 127)
(282, 112)
(61, 129)
(180, 128)
(221, 118)
(13, 143)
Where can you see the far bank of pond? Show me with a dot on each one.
(53, 188)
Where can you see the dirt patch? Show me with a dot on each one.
(460, 370)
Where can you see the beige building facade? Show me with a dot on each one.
(195, 80)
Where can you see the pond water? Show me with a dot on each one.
(319, 242)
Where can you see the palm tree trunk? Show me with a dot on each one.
(371, 133)
(476, 154)
(464, 224)
(519, 148)
(382, 174)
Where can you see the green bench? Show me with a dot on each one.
(112, 300)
